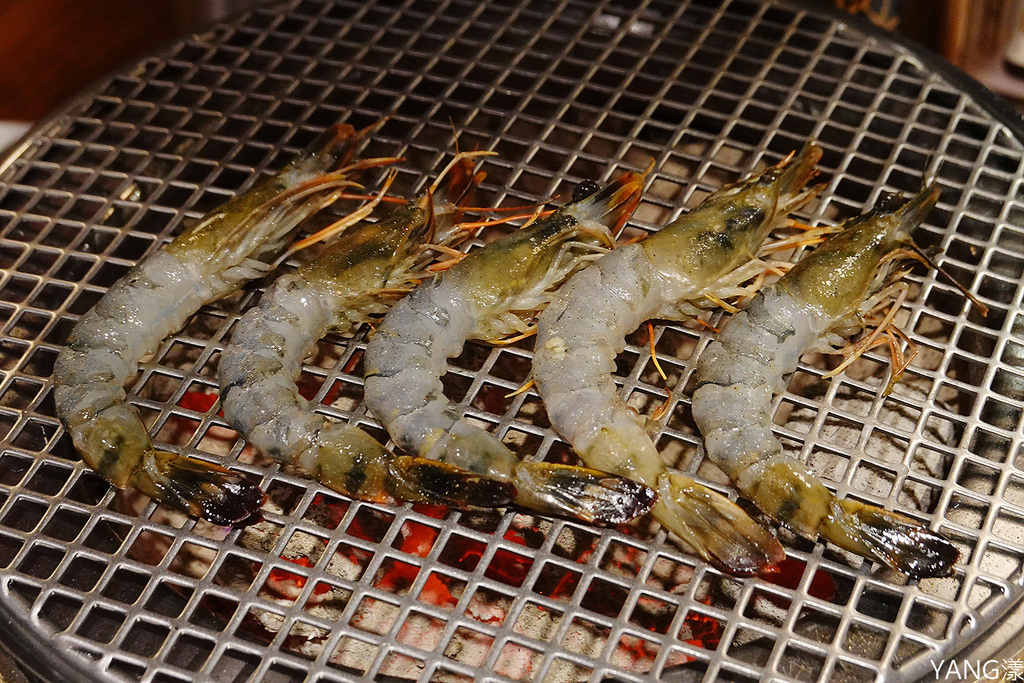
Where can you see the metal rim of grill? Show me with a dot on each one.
(95, 585)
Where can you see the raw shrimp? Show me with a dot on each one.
(814, 305)
(673, 274)
(230, 246)
(355, 279)
(488, 295)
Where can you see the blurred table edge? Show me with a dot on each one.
(11, 132)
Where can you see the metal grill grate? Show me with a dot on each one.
(325, 589)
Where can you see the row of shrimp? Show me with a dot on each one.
(824, 298)
(354, 279)
(232, 245)
(559, 276)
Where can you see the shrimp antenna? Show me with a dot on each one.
(345, 222)
(931, 167)
(916, 252)
(506, 209)
(921, 256)
(373, 127)
(455, 133)
(455, 160)
(533, 216)
(651, 163)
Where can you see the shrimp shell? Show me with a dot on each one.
(354, 280)
(230, 246)
(668, 275)
(819, 299)
(489, 294)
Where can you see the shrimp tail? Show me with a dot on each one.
(432, 481)
(581, 493)
(567, 491)
(203, 489)
(896, 540)
(544, 488)
(716, 528)
(800, 501)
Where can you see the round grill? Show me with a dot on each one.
(95, 584)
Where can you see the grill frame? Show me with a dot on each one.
(177, 207)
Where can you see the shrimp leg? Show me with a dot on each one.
(487, 295)
(230, 246)
(669, 275)
(822, 296)
(355, 279)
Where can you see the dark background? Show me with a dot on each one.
(51, 49)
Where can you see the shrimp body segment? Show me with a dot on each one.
(668, 275)
(354, 280)
(818, 302)
(230, 246)
(492, 293)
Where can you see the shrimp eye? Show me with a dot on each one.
(584, 190)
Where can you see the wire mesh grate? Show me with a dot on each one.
(325, 588)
